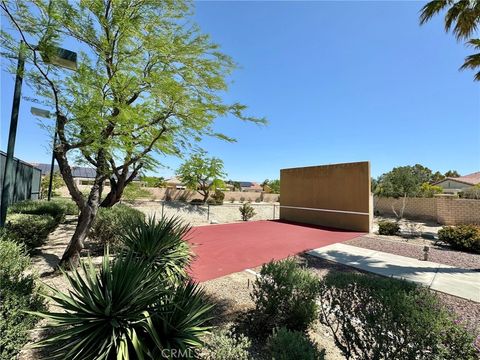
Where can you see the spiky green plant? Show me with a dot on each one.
(122, 311)
(162, 243)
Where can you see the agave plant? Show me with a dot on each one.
(124, 311)
(161, 243)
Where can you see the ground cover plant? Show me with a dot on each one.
(18, 293)
(461, 237)
(285, 344)
(226, 345)
(384, 318)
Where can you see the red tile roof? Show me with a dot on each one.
(472, 179)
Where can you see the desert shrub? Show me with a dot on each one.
(57, 183)
(125, 310)
(471, 192)
(385, 318)
(111, 223)
(211, 201)
(134, 191)
(232, 200)
(18, 293)
(69, 207)
(225, 345)
(257, 200)
(461, 237)
(246, 211)
(31, 230)
(429, 190)
(285, 344)
(40, 207)
(388, 227)
(162, 243)
(284, 296)
(218, 196)
(242, 199)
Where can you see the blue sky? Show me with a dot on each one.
(337, 81)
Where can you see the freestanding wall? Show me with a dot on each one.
(335, 195)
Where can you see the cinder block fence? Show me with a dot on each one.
(446, 210)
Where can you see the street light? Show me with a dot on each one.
(61, 57)
(47, 114)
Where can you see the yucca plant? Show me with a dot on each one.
(124, 311)
(162, 243)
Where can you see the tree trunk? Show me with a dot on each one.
(115, 194)
(71, 256)
(205, 196)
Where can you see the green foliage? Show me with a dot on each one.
(154, 181)
(384, 318)
(246, 211)
(461, 237)
(386, 227)
(18, 293)
(285, 344)
(403, 181)
(57, 183)
(30, 230)
(463, 18)
(124, 310)
(271, 186)
(55, 209)
(218, 197)
(428, 190)
(161, 243)
(225, 345)
(134, 191)
(472, 192)
(69, 207)
(202, 174)
(284, 296)
(111, 223)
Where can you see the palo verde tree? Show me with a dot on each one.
(147, 81)
(202, 174)
(462, 17)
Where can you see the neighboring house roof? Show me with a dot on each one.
(470, 179)
(77, 171)
(174, 181)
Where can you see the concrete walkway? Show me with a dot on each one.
(464, 283)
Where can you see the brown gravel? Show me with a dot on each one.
(437, 253)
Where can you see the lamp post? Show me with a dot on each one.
(61, 57)
(47, 114)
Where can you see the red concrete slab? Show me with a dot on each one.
(224, 249)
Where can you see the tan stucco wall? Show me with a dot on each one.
(344, 187)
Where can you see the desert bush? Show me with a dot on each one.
(218, 197)
(162, 243)
(111, 223)
(471, 192)
(257, 200)
(285, 344)
(124, 310)
(284, 296)
(429, 190)
(385, 318)
(225, 345)
(31, 230)
(18, 293)
(246, 211)
(232, 200)
(242, 199)
(211, 201)
(69, 207)
(386, 227)
(461, 237)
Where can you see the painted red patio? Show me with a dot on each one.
(224, 249)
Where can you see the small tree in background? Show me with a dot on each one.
(154, 181)
(271, 186)
(57, 183)
(202, 174)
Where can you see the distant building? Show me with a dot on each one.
(175, 183)
(81, 175)
(453, 185)
(250, 186)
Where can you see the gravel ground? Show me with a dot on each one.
(201, 215)
(414, 249)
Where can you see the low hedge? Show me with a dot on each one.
(18, 293)
(461, 237)
(111, 222)
(388, 228)
(39, 207)
(31, 230)
(285, 344)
